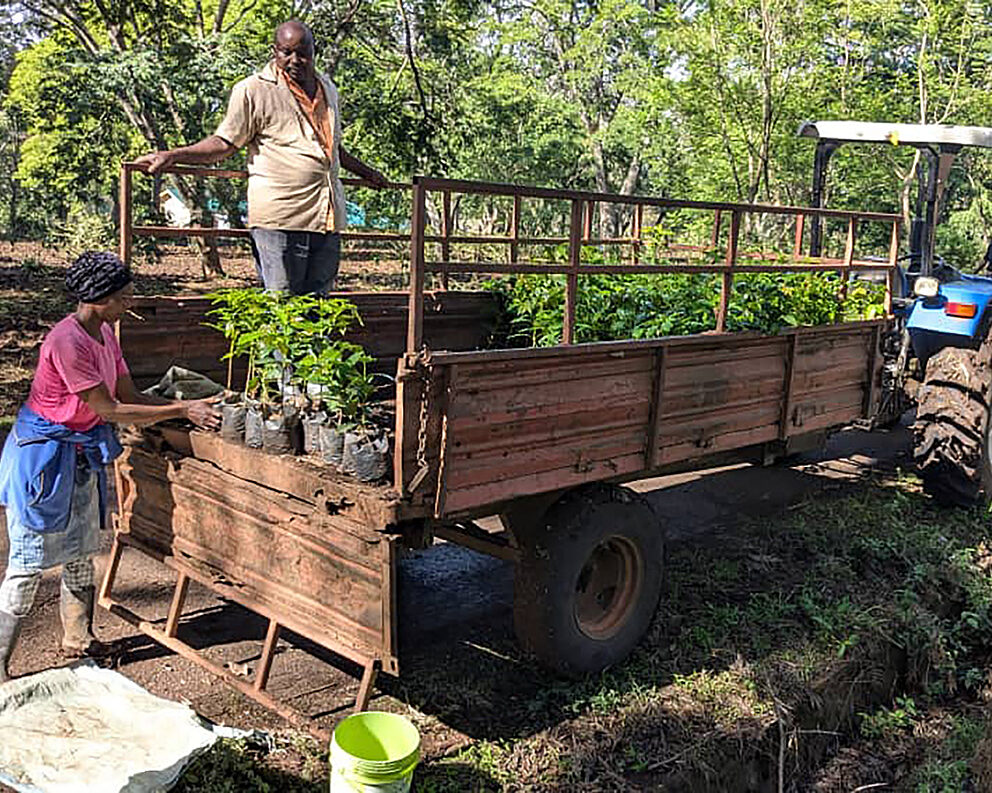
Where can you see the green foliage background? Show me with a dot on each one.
(683, 99)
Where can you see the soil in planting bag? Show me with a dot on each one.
(281, 434)
(311, 432)
(332, 444)
(366, 455)
(253, 427)
(232, 422)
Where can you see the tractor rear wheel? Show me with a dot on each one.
(951, 433)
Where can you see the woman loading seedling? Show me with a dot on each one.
(53, 481)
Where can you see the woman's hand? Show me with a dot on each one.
(203, 412)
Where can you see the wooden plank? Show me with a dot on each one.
(277, 552)
(450, 392)
(789, 385)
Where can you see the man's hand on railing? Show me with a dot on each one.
(156, 161)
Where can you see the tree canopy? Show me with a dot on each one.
(696, 99)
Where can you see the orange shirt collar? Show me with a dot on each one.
(315, 110)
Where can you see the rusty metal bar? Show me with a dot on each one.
(490, 188)
(790, 379)
(176, 607)
(369, 674)
(572, 274)
(212, 231)
(852, 232)
(477, 539)
(268, 653)
(891, 275)
(445, 233)
(126, 216)
(107, 585)
(415, 318)
(726, 283)
(797, 248)
(627, 269)
(515, 229)
(637, 221)
(290, 714)
(717, 223)
(494, 188)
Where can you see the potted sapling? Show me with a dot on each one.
(321, 355)
(237, 312)
(314, 417)
(366, 447)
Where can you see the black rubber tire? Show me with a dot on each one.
(589, 580)
(951, 433)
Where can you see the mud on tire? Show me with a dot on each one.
(589, 579)
(951, 433)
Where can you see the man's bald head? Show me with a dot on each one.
(291, 31)
(292, 48)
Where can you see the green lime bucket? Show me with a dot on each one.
(374, 752)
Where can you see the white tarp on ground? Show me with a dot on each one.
(80, 729)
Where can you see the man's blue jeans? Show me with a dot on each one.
(298, 262)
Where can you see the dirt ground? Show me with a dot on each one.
(455, 605)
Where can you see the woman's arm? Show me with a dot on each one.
(129, 394)
(200, 411)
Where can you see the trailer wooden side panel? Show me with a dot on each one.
(516, 423)
(316, 567)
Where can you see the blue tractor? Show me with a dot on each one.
(940, 348)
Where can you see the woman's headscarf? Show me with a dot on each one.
(96, 274)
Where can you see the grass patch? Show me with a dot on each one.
(849, 617)
(842, 643)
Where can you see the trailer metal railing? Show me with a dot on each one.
(582, 204)
(684, 258)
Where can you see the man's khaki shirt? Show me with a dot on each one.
(293, 184)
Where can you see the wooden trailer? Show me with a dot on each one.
(542, 438)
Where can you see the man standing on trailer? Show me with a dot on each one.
(287, 115)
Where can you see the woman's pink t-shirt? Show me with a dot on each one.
(72, 361)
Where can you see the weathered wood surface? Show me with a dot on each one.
(523, 422)
(172, 331)
(315, 565)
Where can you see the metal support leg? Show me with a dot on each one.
(268, 651)
(108, 578)
(178, 600)
(368, 681)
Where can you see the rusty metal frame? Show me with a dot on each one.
(167, 635)
(580, 233)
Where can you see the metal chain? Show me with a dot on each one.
(425, 391)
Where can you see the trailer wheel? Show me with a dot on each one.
(589, 579)
(951, 433)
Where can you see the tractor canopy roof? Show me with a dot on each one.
(945, 136)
